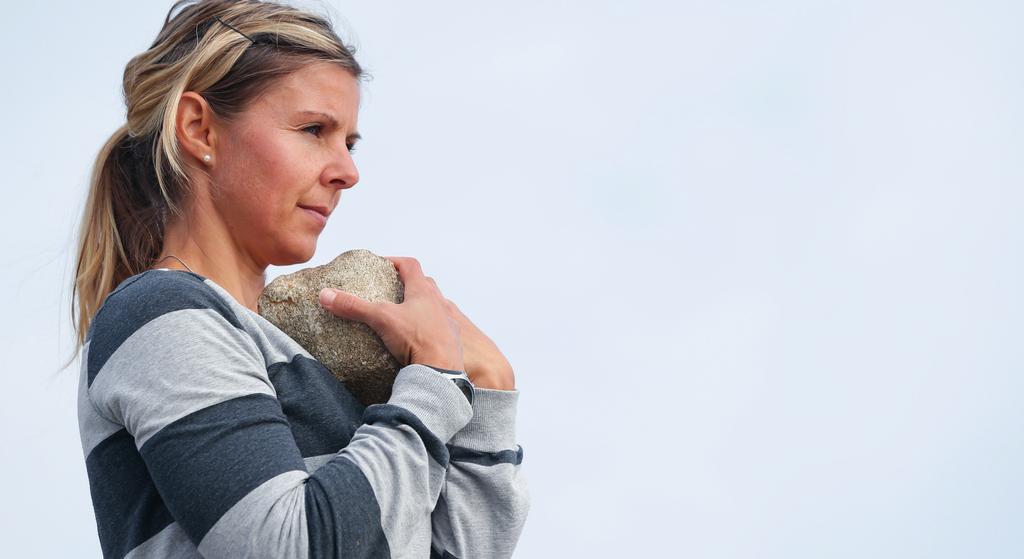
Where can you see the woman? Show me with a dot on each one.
(206, 430)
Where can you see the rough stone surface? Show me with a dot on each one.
(351, 350)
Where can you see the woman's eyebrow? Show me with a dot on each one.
(326, 116)
(333, 121)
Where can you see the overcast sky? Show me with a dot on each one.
(757, 265)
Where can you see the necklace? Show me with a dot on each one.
(176, 258)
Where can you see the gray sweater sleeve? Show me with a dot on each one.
(190, 390)
(484, 501)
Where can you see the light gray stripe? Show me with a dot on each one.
(493, 427)
(270, 521)
(482, 510)
(313, 463)
(275, 345)
(171, 543)
(432, 398)
(193, 353)
(393, 460)
(442, 536)
(92, 426)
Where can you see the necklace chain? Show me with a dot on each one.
(176, 258)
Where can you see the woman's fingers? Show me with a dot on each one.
(409, 271)
(350, 306)
(418, 330)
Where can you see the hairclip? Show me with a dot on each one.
(237, 31)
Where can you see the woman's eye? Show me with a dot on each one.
(317, 129)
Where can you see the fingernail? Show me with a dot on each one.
(327, 296)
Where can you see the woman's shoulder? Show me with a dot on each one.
(151, 294)
(155, 308)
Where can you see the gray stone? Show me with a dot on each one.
(351, 350)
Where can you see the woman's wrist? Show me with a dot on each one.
(494, 379)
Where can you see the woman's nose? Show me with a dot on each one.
(344, 174)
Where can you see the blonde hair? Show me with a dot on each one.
(138, 177)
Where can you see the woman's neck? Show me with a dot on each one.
(204, 250)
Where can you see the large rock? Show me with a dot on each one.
(351, 350)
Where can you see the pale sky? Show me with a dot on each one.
(757, 265)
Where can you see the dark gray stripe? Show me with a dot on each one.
(342, 513)
(460, 454)
(128, 508)
(390, 414)
(140, 299)
(207, 461)
(434, 554)
(322, 413)
(171, 543)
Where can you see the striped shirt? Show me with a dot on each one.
(208, 432)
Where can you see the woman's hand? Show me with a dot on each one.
(420, 329)
(485, 365)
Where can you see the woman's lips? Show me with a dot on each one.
(319, 217)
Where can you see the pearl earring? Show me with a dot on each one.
(206, 158)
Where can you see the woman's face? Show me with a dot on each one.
(290, 148)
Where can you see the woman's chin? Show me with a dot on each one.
(297, 254)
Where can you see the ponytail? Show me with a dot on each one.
(122, 226)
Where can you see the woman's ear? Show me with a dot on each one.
(193, 126)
